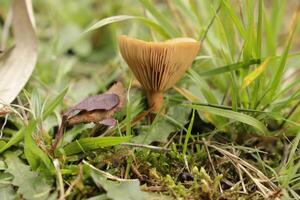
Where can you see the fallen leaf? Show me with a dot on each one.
(16, 65)
(99, 102)
(97, 108)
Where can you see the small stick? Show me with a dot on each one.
(155, 148)
(211, 162)
(77, 180)
(136, 172)
(60, 179)
(59, 134)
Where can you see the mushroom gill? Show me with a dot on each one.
(158, 65)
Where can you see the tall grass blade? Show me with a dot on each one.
(232, 115)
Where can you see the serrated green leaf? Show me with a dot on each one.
(31, 185)
(7, 193)
(124, 189)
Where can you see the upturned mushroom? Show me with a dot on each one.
(158, 65)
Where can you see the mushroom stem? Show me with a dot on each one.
(155, 100)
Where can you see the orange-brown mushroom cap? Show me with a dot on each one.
(158, 65)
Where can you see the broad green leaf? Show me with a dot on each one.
(31, 185)
(92, 143)
(232, 115)
(121, 189)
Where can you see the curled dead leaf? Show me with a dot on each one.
(17, 64)
(97, 108)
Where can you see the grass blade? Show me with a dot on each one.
(92, 143)
(232, 115)
(256, 73)
(119, 18)
(16, 138)
(161, 19)
(54, 103)
(279, 73)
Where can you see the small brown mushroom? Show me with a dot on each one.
(158, 65)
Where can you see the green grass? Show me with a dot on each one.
(234, 125)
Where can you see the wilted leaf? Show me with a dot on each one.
(30, 184)
(97, 108)
(17, 65)
(116, 188)
(98, 102)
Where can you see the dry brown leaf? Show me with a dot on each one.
(93, 109)
(158, 65)
(98, 108)
(16, 65)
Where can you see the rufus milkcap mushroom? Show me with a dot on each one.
(158, 65)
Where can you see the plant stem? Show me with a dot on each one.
(155, 100)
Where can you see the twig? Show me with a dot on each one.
(136, 172)
(245, 166)
(59, 135)
(211, 162)
(155, 148)
(77, 180)
(106, 174)
(240, 174)
(3, 126)
(60, 179)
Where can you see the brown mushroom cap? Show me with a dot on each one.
(158, 65)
